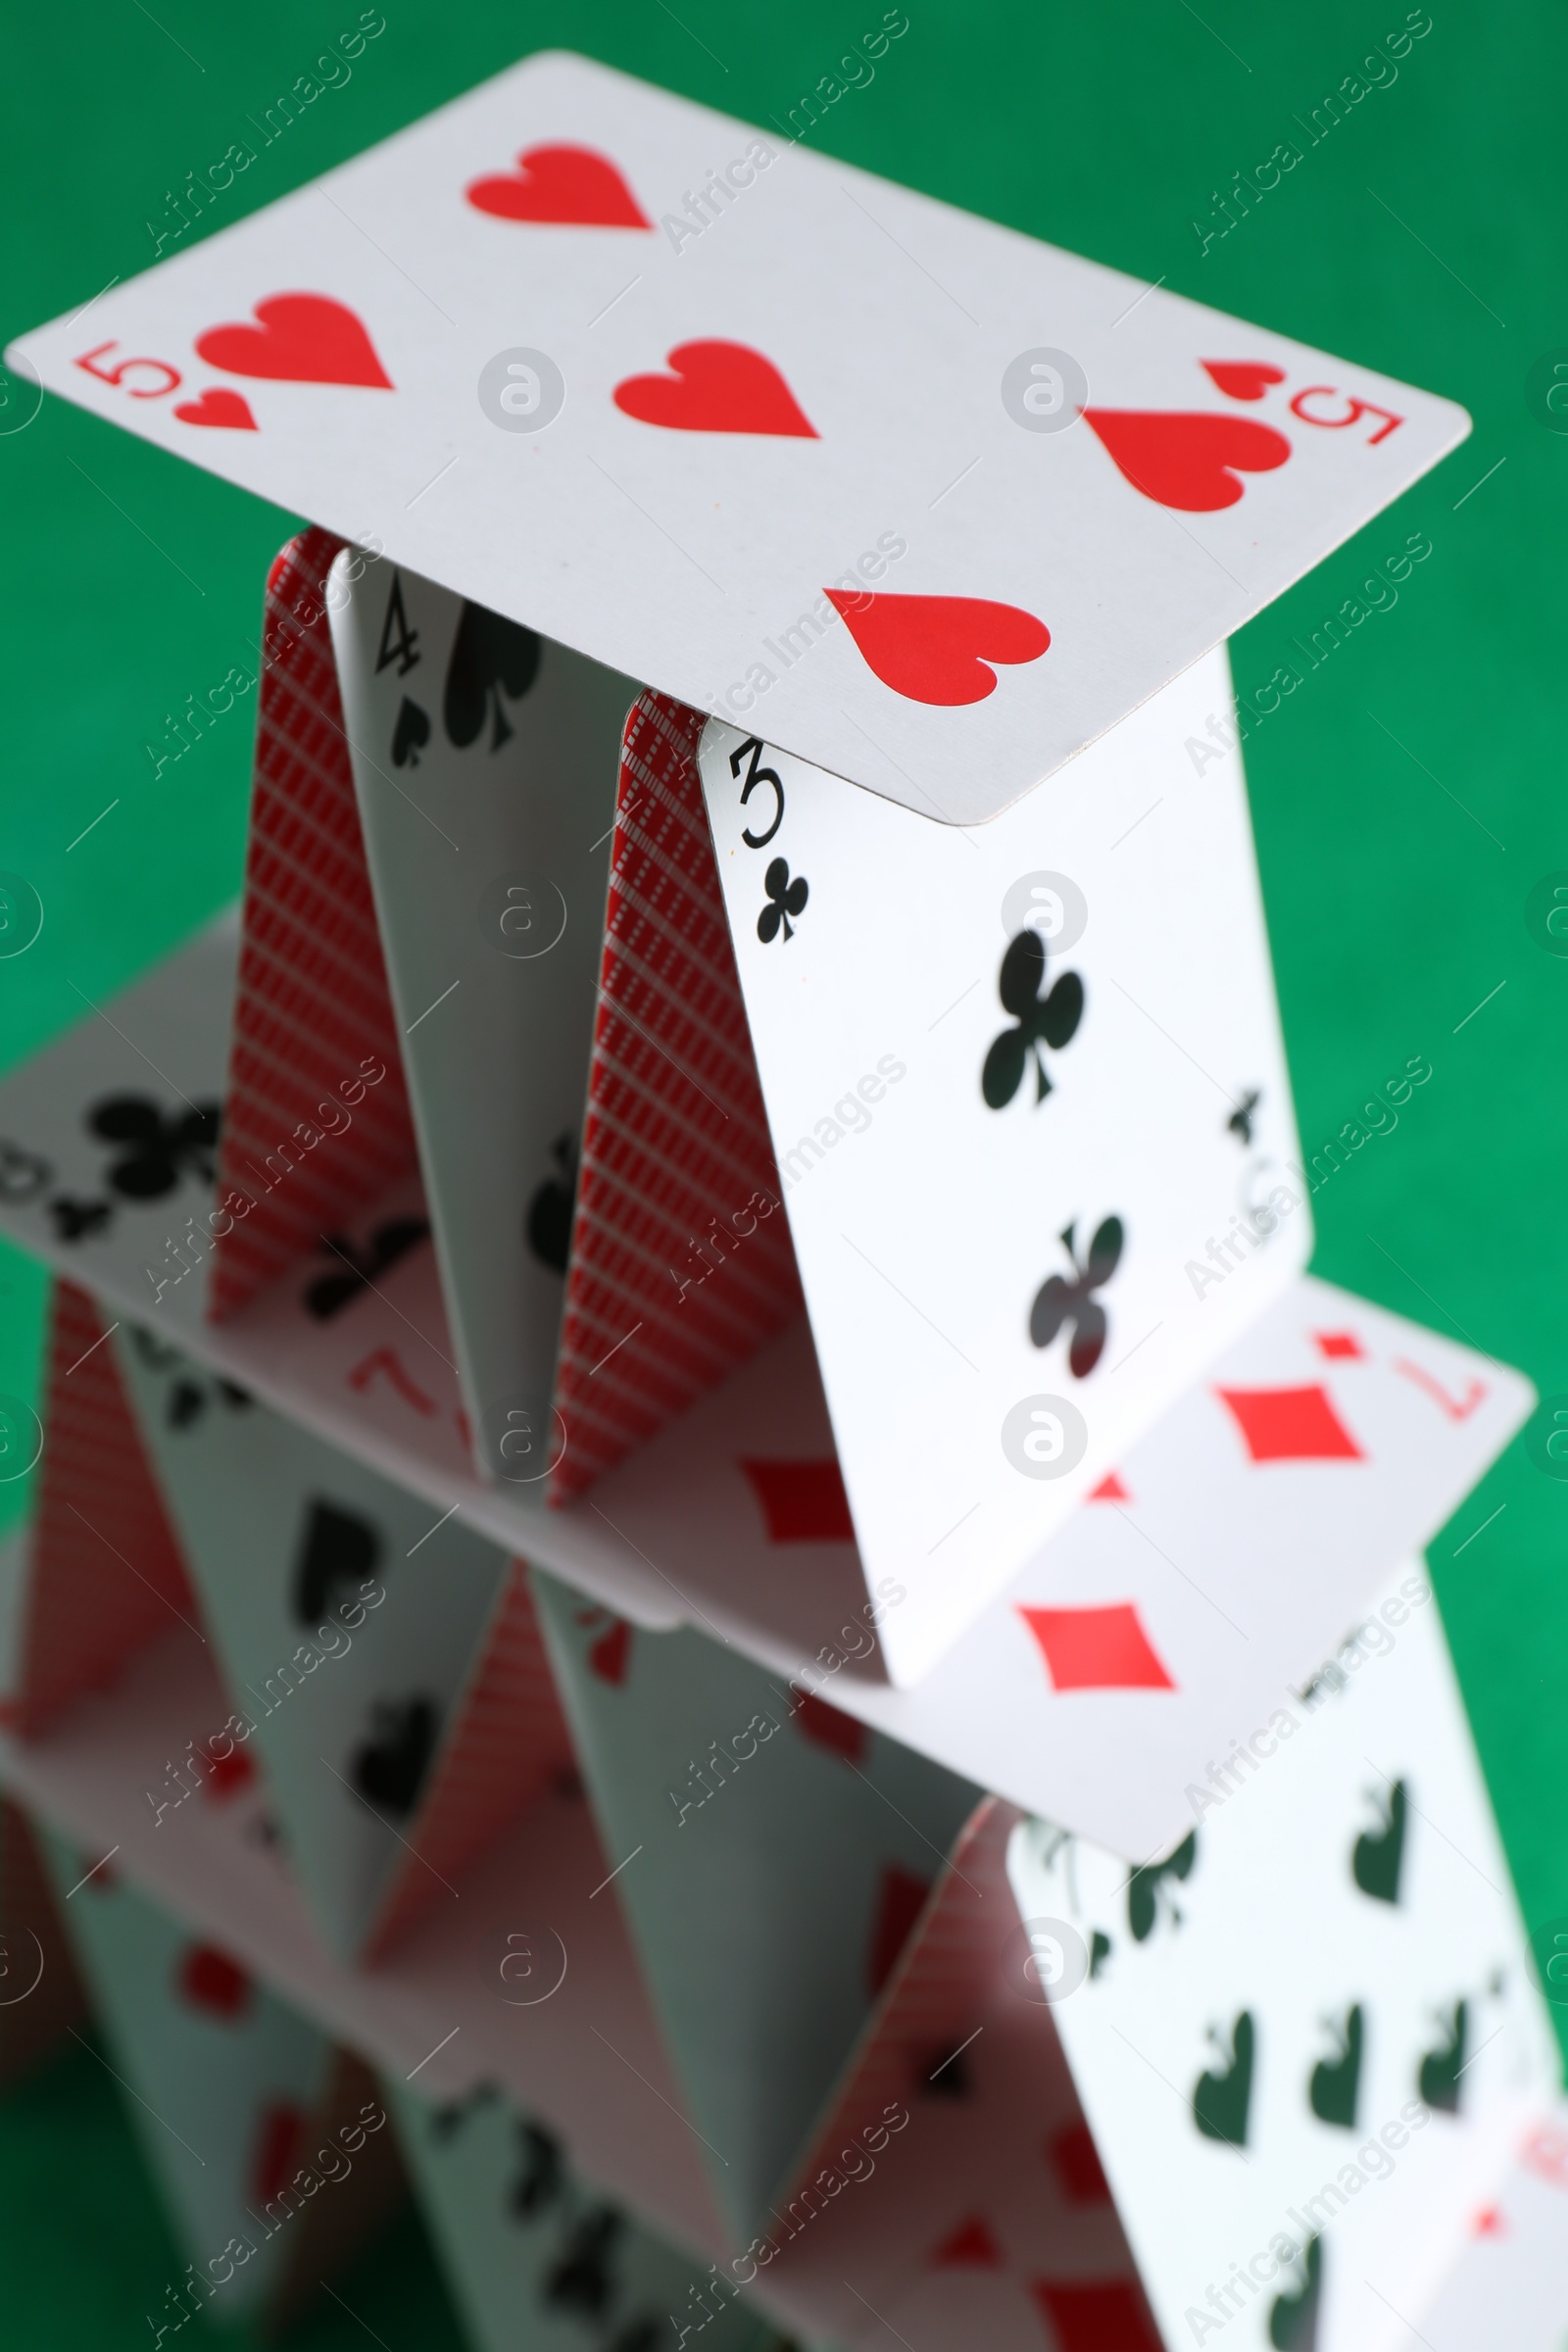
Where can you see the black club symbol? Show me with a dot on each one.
(1042, 1019)
(785, 898)
(1239, 1122)
(1059, 1302)
(155, 1151)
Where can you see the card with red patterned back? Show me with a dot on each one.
(106, 1574)
(676, 1151)
(508, 1743)
(313, 1017)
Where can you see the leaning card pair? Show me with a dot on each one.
(706, 445)
(484, 768)
(1018, 1092)
(348, 1615)
(1305, 2038)
(771, 1856)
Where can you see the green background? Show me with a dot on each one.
(1424, 236)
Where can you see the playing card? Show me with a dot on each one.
(350, 1619)
(109, 1133)
(536, 2255)
(316, 1127)
(223, 2077)
(1017, 1098)
(485, 761)
(678, 1180)
(1509, 2285)
(707, 468)
(99, 1572)
(1304, 2039)
(954, 2194)
(1160, 1642)
(771, 1857)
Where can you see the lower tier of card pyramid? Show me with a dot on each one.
(719, 2007)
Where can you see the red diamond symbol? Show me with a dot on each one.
(1339, 1342)
(1097, 1650)
(1291, 1425)
(1109, 1489)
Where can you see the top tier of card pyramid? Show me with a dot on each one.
(702, 404)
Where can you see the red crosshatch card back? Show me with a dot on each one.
(311, 1013)
(681, 1258)
(106, 1573)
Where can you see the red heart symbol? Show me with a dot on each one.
(210, 1979)
(715, 388)
(228, 1775)
(1243, 379)
(278, 2133)
(216, 406)
(935, 649)
(1184, 460)
(304, 338)
(565, 184)
(609, 1656)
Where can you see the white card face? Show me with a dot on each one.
(708, 436)
(1018, 1085)
(223, 2080)
(105, 1155)
(539, 2262)
(1238, 1549)
(347, 1614)
(1306, 2041)
(485, 764)
(1510, 2283)
(776, 1855)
